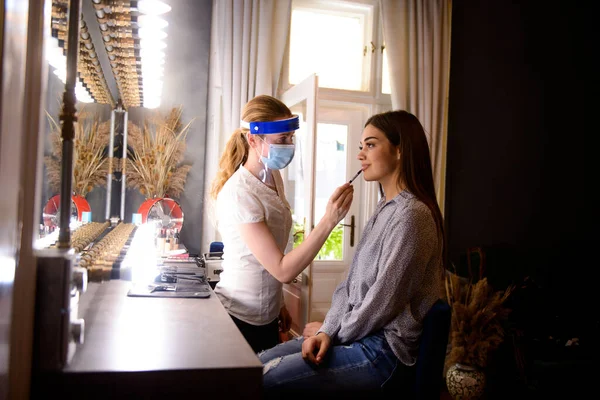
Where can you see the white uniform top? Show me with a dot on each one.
(246, 289)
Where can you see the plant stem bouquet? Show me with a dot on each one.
(89, 162)
(478, 317)
(157, 150)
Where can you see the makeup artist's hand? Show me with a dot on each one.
(339, 203)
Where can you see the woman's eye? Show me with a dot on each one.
(360, 148)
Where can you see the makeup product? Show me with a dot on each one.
(160, 241)
(355, 176)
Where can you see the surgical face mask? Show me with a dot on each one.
(279, 156)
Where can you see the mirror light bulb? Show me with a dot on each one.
(151, 21)
(153, 7)
(151, 34)
(152, 44)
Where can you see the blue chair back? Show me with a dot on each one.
(216, 247)
(432, 352)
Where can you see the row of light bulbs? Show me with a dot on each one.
(56, 58)
(152, 52)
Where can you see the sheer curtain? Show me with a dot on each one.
(248, 40)
(417, 41)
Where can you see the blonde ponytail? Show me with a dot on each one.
(234, 155)
(260, 108)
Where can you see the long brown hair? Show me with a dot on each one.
(260, 108)
(405, 131)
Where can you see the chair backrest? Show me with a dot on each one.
(432, 351)
(216, 247)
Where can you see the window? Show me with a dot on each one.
(385, 74)
(340, 41)
(330, 172)
(329, 38)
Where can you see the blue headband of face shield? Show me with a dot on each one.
(272, 127)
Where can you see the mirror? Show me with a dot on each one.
(109, 68)
(92, 131)
(126, 81)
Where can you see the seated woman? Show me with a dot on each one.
(373, 327)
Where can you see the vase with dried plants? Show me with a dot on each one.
(157, 150)
(477, 329)
(154, 164)
(89, 160)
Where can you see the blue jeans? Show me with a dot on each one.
(364, 365)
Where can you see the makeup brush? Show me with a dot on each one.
(355, 176)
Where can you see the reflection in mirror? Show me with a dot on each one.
(90, 165)
(121, 69)
(91, 130)
(117, 157)
(156, 166)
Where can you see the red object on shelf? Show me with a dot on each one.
(78, 205)
(166, 211)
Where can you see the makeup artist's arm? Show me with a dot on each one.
(285, 268)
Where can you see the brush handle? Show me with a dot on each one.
(355, 176)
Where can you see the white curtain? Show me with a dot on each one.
(248, 40)
(417, 41)
(251, 36)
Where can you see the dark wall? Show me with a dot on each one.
(519, 183)
(516, 173)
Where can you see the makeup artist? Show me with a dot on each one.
(255, 221)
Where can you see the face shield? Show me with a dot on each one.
(279, 155)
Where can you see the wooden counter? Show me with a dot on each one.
(139, 347)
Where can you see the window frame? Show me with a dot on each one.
(373, 66)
